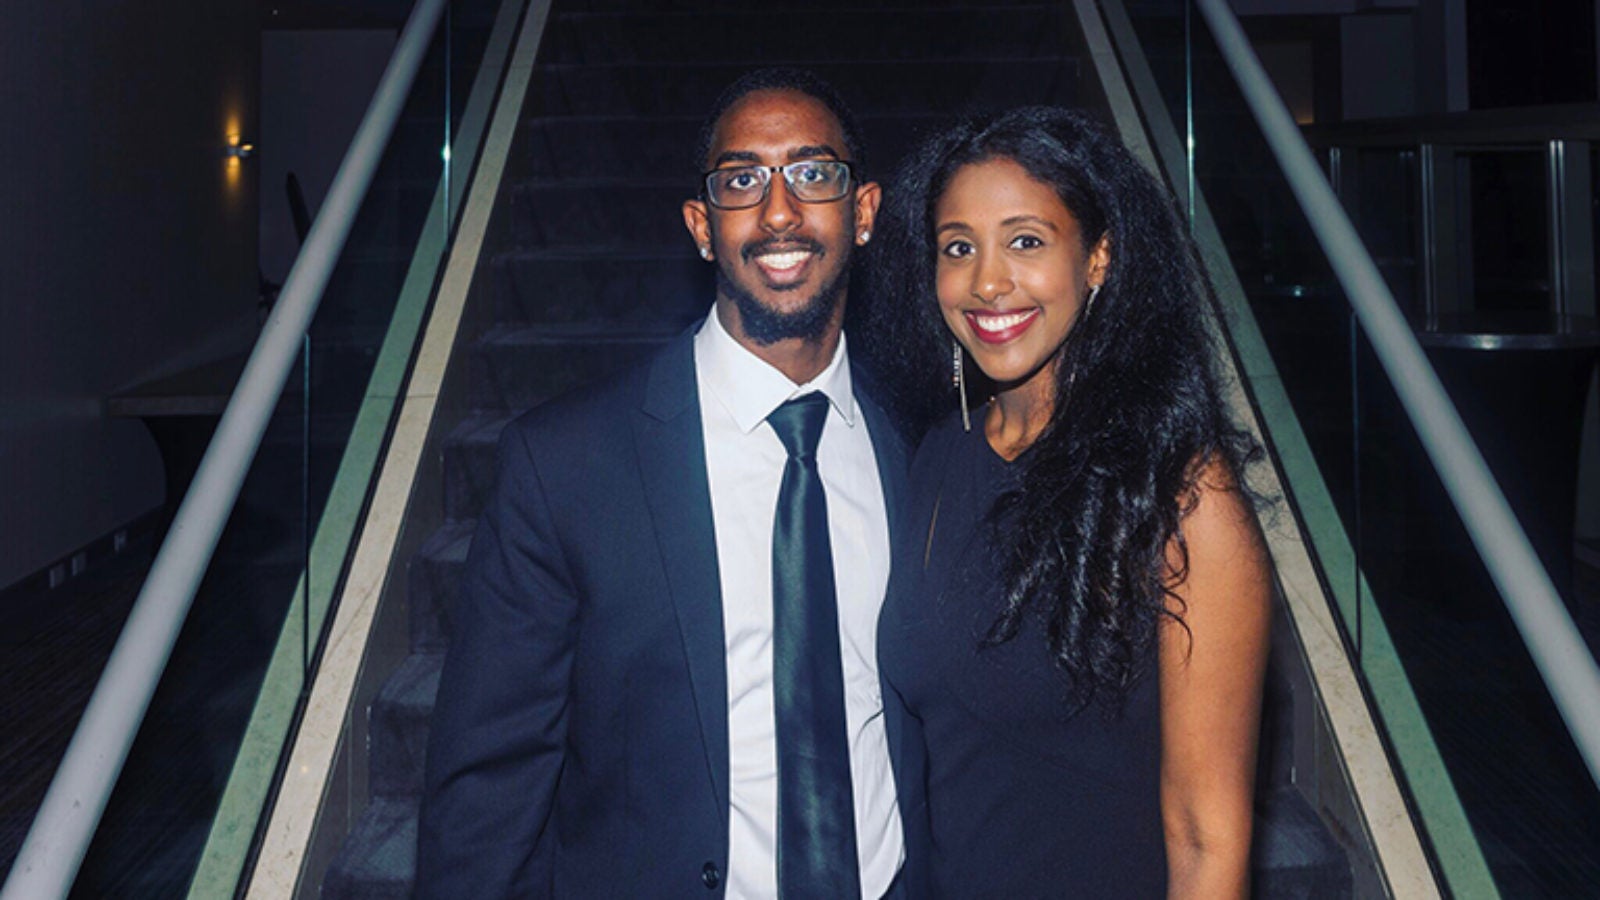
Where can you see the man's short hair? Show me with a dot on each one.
(802, 81)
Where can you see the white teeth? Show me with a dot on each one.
(1001, 323)
(784, 260)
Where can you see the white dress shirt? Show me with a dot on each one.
(744, 465)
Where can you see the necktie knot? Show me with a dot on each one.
(798, 424)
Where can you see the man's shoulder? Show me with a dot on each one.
(589, 405)
(601, 408)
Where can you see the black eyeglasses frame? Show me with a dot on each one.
(766, 186)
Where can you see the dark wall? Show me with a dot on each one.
(127, 244)
(1521, 53)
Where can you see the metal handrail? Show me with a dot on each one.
(49, 859)
(1564, 661)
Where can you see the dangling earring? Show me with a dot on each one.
(960, 381)
(1094, 291)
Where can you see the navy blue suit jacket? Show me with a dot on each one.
(579, 745)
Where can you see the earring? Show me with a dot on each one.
(1094, 291)
(960, 380)
(705, 253)
(866, 236)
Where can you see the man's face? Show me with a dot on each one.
(782, 265)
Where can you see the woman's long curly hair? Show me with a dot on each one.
(1138, 410)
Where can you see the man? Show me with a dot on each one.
(663, 678)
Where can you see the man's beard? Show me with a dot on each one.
(768, 326)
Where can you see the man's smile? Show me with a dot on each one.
(782, 264)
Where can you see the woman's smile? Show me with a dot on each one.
(999, 327)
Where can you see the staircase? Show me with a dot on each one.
(589, 268)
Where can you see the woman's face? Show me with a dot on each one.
(1012, 272)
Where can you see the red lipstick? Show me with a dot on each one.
(1000, 327)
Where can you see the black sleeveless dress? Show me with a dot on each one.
(1026, 798)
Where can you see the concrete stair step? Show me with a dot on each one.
(399, 724)
(875, 87)
(434, 582)
(623, 191)
(598, 215)
(379, 859)
(1294, 856)
(855, 32)
(669, 286)
(662, 146)
(469, 464)
(517, 368)
(703, 7)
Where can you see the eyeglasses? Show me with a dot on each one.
(809, 181)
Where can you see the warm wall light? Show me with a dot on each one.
(235, 150)
(234, 154)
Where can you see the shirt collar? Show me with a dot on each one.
(750, 389)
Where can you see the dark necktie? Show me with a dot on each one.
(816, 810)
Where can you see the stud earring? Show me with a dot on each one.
(866, 236)
(705, 253)
(959, 379)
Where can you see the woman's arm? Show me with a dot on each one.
(1211, 675)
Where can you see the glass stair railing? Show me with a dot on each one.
(257, 576)
(1491, 737)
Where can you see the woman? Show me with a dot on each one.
(1079, 614)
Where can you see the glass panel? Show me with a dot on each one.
(1298, 325)
(1509, 240)
(155, 823)
(187, 805)
(1527, 794)
(1505, 802)
(1380, 190)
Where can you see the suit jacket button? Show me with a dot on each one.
(710, 875)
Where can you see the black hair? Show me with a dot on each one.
(1138, 414)
(802, 81)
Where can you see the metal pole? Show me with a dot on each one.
(1571, 227)
(1428, 177)
(1555, 187)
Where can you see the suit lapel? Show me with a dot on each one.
(671, 447)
